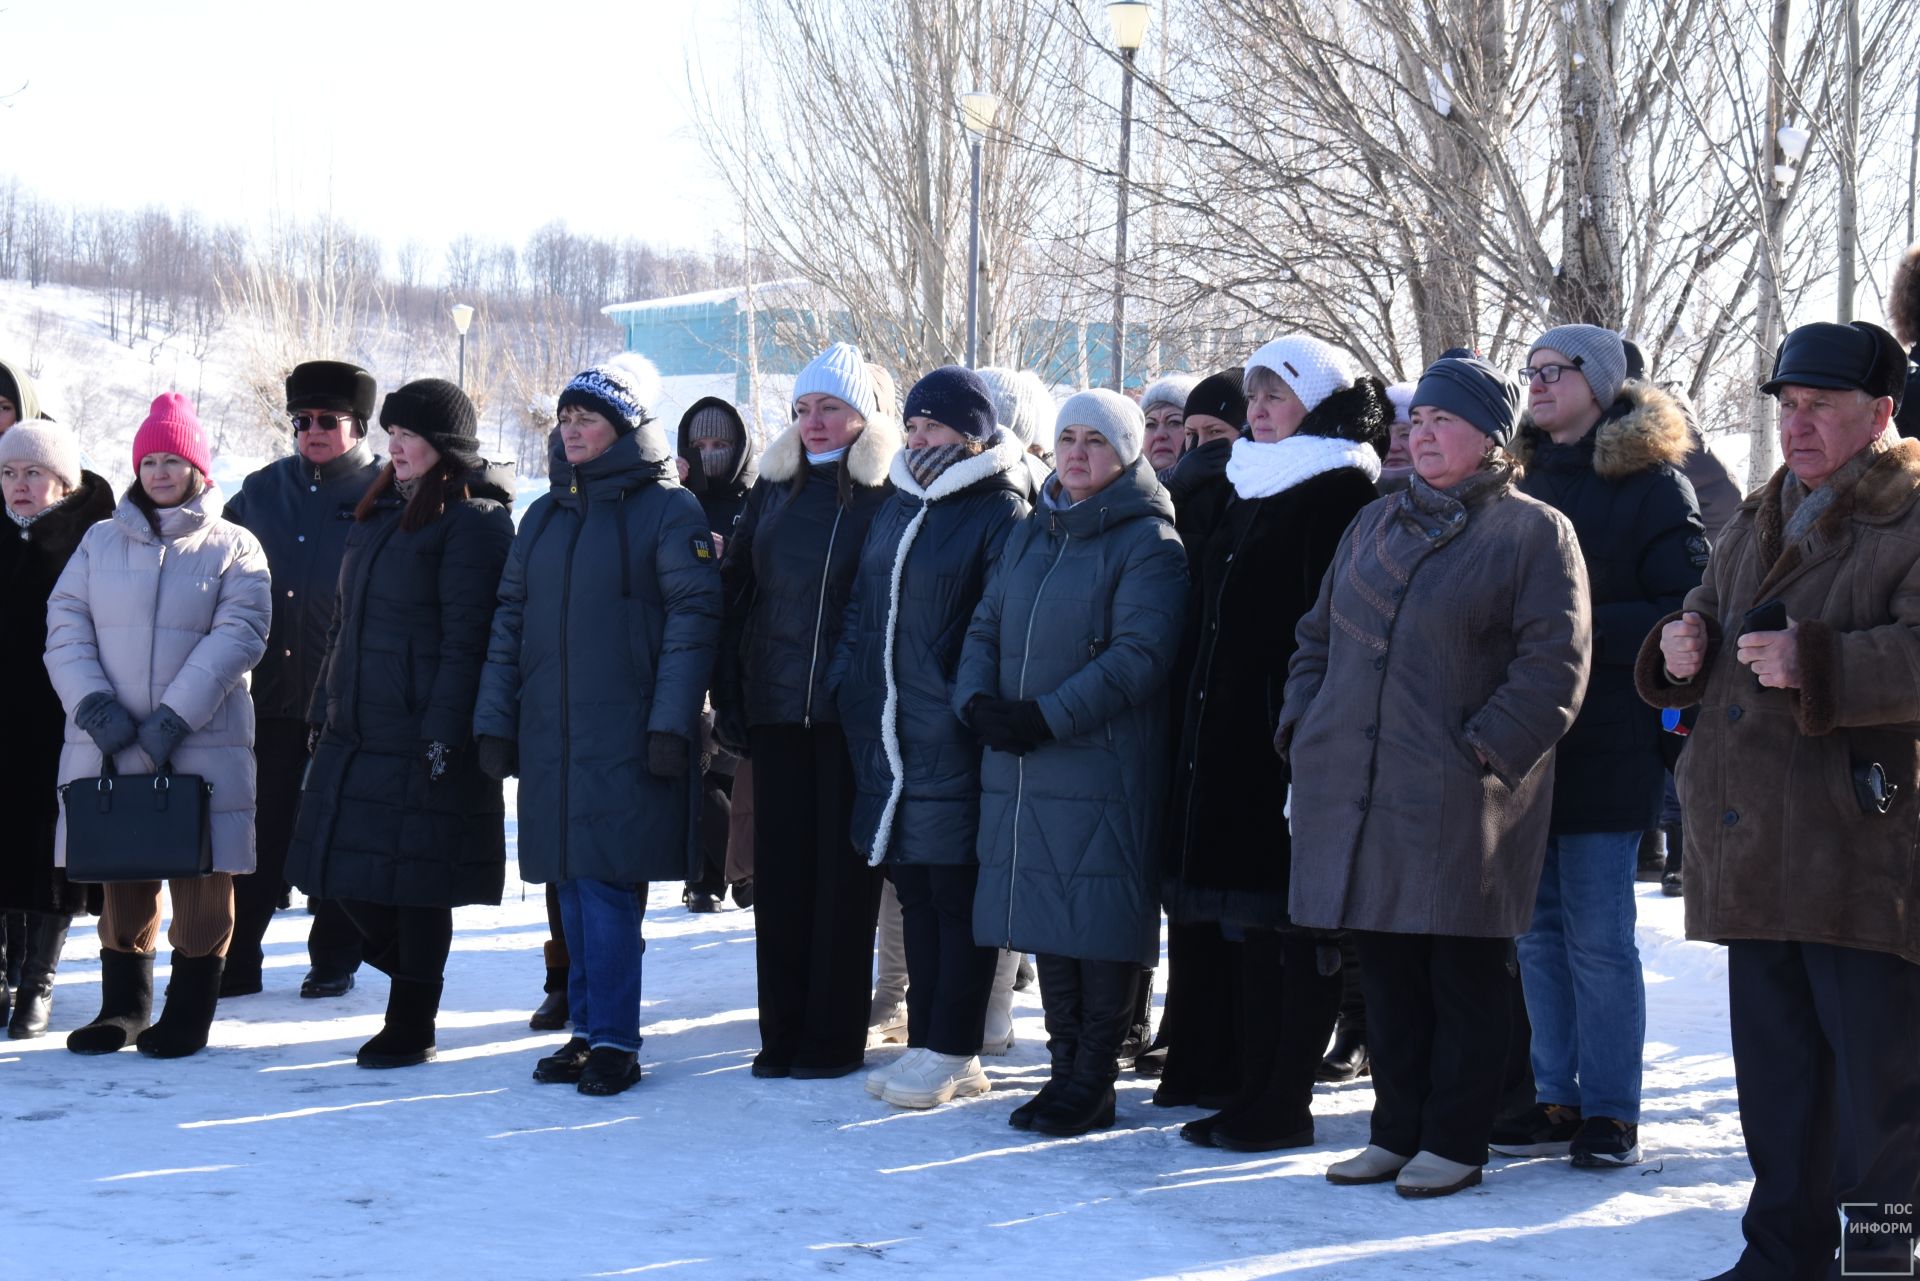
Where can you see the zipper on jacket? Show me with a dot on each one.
(1020, 763)
(820, 615)
(566, 734)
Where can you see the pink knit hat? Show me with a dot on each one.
(172, 428)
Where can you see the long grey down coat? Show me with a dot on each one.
(1082, 614)
(608, 618)
(178, 619)
(1449, 623)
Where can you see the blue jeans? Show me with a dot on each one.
(1580, 967)
(604, 947)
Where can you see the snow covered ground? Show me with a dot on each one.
(272, 1156)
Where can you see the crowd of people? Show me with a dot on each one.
(1375, 692)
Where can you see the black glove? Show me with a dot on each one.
(161, 735)
(1029, 725)
(110, 725)
(666, 755)
(439, 759)
(498, 758)
(313, 739)
(992, 723)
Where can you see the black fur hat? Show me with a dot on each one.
(332, 386)
(1361, 412)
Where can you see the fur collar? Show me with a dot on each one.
(1001, 456)
(1886, 492)
(867, 460)
(1645, 428)
(1261, 469)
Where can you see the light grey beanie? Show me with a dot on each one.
(1021, 400)
(1169, 389)
(1600, 354)
(842, 373)
(1110, 414)
(44, 444)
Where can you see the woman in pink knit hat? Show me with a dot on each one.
(151, 631)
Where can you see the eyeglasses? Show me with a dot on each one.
(1548, 374)
(322, 422)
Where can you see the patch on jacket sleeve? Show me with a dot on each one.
(702, 547)
(1699, 551)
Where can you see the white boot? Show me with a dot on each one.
(878, 1078)
(999, 1034)
(1373, 1164)
(933, 1079)
(1428, 1175)
(887, 1015)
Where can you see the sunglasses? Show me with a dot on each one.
(322, 422)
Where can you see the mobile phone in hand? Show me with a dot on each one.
(1767, 616)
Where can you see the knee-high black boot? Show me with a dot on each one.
(1060, 1002)
(33, 1006)
(1107, 990)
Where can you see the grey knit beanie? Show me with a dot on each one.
(43, 444)
(1110, 414)
(1600, 354)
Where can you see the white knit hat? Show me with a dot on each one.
(1110, 414)
(1021, 401)
(1401, 396)
(1313, 369)
(1169, 389)
(45, 444)
(841, 372)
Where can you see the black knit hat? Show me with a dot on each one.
(1221, 396)
(953, 396)
(332, 386)
(440, 412)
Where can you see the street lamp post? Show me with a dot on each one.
(977, 109)
(1128, 19)
(462, 317)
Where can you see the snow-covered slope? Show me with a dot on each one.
(272, 1156)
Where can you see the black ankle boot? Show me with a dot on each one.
(407, 1039)
(33, 1004)
(1347, 1059)
(563, 1066)
(1671, 883)
(192, 993)
(1082, 1105)
(126, 1004)
(609, 1071)
(553, 1013)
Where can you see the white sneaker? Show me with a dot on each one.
(887, 1025)
(1373, 1164)
(998, 1038)
(878, 1078)
(1428, 1175)
(933, 1079)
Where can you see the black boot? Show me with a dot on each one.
(699, 901)
(126, 1004)
(1670, 883)
(553, 1013)
(609, 1071)
(1107, 991)
(407, 1039)
(33, 1005)
(1652, 861)
(563, 1066)
(187, 1016)
(1060, 1006)
(1140, 1026)
(1347, 1059)
(1279, 1115)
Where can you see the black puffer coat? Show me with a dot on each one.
(404, 654)
(30, 563)
(1645, 548)
(301, 513)
(915, 766)
(1082, 615)
(609, 614)
(1228, 855)
(722, 498)
(788, 570)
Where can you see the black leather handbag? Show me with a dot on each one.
(138, 827)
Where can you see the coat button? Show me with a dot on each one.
(313, 489)
(1203, 695)
(1398, 592)
(286, 653)
(1729, 818)
(289, 593)
(1380, 664)
(1364, 801)
(299, 538)
(1734, 713)
(1373, 731)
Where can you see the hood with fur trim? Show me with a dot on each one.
(1645, 427)
(867, 462)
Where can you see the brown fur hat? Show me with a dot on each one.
(1903, 299)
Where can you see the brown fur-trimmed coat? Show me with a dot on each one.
(1777, 845)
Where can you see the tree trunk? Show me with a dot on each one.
(1593, 174)
(1849, 149)
(1761, 419)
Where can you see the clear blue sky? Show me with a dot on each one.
(425, 120)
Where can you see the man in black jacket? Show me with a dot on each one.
(1605, 451)
(300, 508)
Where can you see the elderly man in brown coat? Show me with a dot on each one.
(1799, 783)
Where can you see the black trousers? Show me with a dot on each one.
(716, 816)
(1353, 998)
(1200, 1023)
(333, 944)
(1088, 1006)
(1437, 1020)
(1286, 1018)
(403, 942)
(949, 977)
(816, 902)
(1826, 1054)
(1516, 1084)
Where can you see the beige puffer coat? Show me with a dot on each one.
(179, 619)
